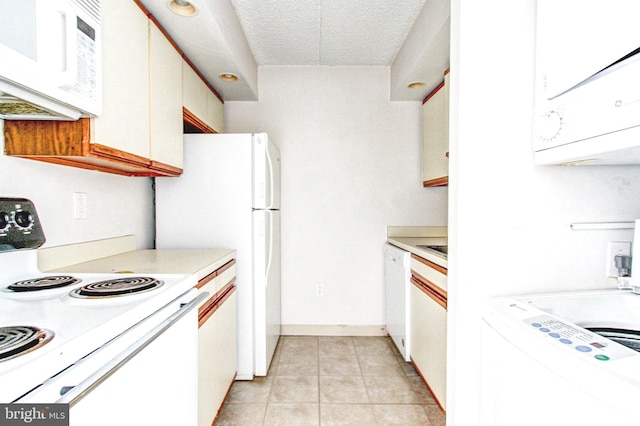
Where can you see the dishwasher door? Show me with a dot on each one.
(397, 277)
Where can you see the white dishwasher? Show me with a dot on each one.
(397, 278)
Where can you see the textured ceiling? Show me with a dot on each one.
(326, 32)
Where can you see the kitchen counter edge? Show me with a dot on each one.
(410, 244)
(199, 262)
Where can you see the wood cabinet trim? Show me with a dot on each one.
(165, 169)
(430, 264)
(427, 384)
(193, 120)
(431, 183)
(102, 151)
(68, 143)
(437, 294)
(226, 266)
(214, 302)
(433, 92)
(204, 281)
(224, 400)
(207, 279)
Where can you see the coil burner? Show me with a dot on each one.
(43, 283)
(19, 340)
(117, 287)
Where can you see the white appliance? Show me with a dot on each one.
(229, 196)
(587, 92)
(397, 278)
(634, 279)
(96, 342)
(561, 358)
(50, 59)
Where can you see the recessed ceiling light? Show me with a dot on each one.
(228, 76)
(183, 7)
(416, 85)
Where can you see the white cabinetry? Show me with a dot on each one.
(217, 344)
(200, 102)
(123, 124)
(165, 70)
(137, 133)
(429, 324)
(435, 136)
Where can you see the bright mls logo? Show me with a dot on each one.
(34, 414)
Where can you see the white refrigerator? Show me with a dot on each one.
(229, 196)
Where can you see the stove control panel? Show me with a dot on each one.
(19, 225)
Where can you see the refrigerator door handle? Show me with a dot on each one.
(269, 260)
(271, 183)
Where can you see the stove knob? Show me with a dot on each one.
(23, 219)
(4, 221)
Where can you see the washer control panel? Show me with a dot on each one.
(578, 339)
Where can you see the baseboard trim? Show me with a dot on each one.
(332, 330)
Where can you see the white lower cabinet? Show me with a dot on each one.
(429, 326)
(217, 343)
(429, 342)
(226, 350)
(217, 356)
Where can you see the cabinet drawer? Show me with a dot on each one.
(433, 273)
(216, 281)
(226, 274)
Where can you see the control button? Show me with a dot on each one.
(4, 221)
(565, 341)
(583, 348)
(23, 219)
(555, 335)
(544, 330)
(602, 358)
(536, 324)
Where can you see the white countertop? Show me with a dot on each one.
(200, 262)
(411, 244)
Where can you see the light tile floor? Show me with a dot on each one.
(322, 380)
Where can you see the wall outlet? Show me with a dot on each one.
(615, 248)
(80, 208)
(319, 290)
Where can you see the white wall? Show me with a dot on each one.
(351, 164)
(117, 205)
(509, 221)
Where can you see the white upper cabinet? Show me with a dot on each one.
(194, 92)
(166, 99)
(215, 112)
(435, 136)
(200, 102)
(123, 124)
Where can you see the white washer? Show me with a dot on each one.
(541, 366)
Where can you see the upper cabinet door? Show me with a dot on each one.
(203, 105)
(166, 98)
(435, 136)
(194, 92)
(124, 123)
(215, 112)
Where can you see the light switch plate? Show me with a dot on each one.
(80, 208)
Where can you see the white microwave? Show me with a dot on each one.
(50, 59)
(587, 93)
